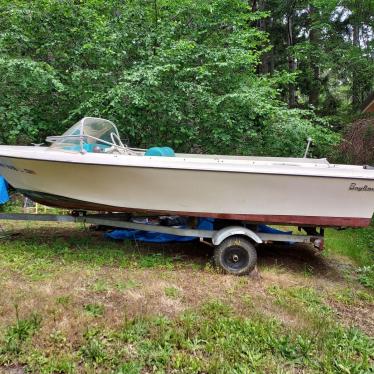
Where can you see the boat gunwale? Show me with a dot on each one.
(196, 168)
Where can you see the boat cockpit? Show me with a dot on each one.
(97, 135)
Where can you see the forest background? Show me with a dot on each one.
(219, 76)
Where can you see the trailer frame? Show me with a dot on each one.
(220, 239)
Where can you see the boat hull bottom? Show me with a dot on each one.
(322, 221)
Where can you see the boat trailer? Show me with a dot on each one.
(234, 245)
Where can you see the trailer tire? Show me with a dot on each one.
(235, 255)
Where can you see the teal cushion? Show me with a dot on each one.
(160, 151)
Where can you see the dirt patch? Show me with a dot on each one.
(359, 315)
(12, 370)
(186, 281)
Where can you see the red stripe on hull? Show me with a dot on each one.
(322, 221)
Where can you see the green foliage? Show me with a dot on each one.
(366, 276)
(358, 244)
(20, 332)
(96, 310)
(214, 339)
(213, 343)
(172, 292)
(332, 48)
(349, 296)
(24, 83)
(178, 73)
(94, 350)
(286, 134)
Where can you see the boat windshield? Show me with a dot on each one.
(90, 135)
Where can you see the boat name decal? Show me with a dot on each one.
(11, 167)
(355, 187)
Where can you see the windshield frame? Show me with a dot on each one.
(79, 139)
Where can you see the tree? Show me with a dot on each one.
(174, 72)
(328, 44)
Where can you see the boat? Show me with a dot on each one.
(89, 168)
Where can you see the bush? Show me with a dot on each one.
(357, 146)
(182, 75)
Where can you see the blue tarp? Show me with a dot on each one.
(4, 196)
(156, 237)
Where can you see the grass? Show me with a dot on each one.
(357, 245)
(39, 257)
(20, 332)
(172, 292)
(96, 310)
(212, 339)
(73, 302)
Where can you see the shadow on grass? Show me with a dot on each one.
(74, 245)
(297, 258)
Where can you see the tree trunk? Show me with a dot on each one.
(314, 39)
(254, 5)
(267, 60)
(265, 66)
(155, 41)
(355, 79)
(292, 64)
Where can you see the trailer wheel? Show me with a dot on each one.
(235, 255)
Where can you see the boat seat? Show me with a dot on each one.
(160, 151)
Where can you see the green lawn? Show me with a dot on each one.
(357, 245)
(73, 302)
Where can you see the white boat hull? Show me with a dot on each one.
(214, 187)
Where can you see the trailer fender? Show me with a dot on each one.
(226, 232)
